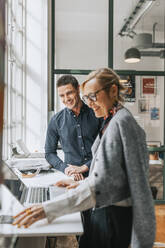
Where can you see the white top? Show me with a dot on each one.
(74, 200)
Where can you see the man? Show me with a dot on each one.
(75, 127)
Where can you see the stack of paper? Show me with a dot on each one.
(29, 164)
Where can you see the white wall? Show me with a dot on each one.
(36, 73)
(154, 128)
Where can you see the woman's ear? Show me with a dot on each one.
(113, 91)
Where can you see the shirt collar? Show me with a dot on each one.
(84, 107)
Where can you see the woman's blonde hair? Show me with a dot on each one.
(105, 77)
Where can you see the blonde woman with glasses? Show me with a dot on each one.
(117, 188)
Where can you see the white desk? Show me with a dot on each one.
(43, 179)
(66, 225)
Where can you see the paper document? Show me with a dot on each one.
(28, 164)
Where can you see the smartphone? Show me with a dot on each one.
(6, 219)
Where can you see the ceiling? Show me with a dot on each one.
(156, 14)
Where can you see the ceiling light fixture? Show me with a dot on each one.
(132, 55)
(145, 41)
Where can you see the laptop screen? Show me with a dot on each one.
(15, 186)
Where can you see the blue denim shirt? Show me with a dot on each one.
(76, 135)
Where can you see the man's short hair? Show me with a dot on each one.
(67, 79)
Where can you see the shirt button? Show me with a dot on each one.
(96, 175)
(79, 136)
(85, 158)
(82, 148)
(97, 192)
(74, 116)
(78, 125)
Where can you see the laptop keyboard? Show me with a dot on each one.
(36, 195)
(24, 195)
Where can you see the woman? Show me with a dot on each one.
(118, 179)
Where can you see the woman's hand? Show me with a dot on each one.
(64, 182)
(68, 183)
(29, 216)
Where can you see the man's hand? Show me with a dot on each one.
(29, 216)
(74, 169)
(78, 176)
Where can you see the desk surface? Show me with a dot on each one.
(66, 225)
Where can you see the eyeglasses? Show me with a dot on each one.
(92, 96)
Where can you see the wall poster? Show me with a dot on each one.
(129, 83)
(148, 86)
(143, 105)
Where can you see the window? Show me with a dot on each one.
(140, 24)
(15, 104)
(81, 38)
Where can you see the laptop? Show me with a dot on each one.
(26, 151)
(28, 196)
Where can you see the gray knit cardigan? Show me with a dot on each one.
(120, 170)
